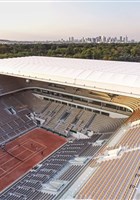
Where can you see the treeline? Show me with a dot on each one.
(121, 52)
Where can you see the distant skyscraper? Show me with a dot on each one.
(121, 39)
(126, 39)
(104, 39)
(71, 39)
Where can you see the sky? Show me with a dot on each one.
(52, 20)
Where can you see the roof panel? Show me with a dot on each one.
(119, 76)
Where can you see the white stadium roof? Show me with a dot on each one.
(109, 76)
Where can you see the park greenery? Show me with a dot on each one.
(102, 51)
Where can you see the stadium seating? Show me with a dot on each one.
(15, 119)
(109, 181)
(115, 178)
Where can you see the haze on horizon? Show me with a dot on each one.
(56, 20)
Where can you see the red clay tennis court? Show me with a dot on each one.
(20, 155)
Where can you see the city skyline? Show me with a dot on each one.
(57, 20)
